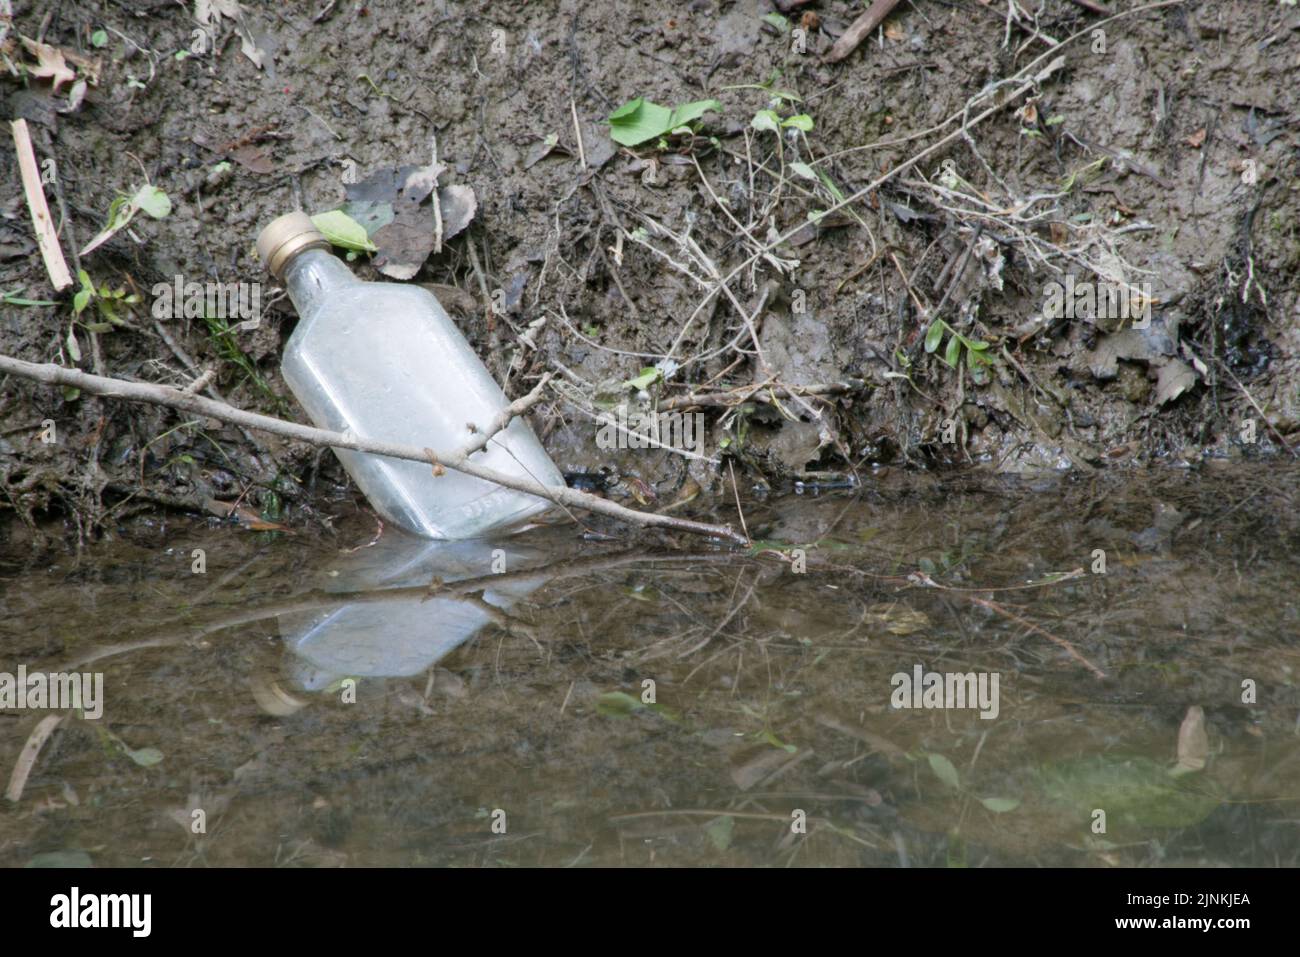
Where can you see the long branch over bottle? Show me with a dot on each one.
(154, 394)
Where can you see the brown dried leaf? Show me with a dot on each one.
(253, 158)
(1175, 378)
(49, 63)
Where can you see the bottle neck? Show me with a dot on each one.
(312, 274)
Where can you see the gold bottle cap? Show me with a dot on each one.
(286, 236)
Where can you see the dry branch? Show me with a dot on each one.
(860, 29)
(55, 265)
(155, 394)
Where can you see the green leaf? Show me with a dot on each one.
(74, 349)
(145, 757)
(934, 335)
(1000, 805)
(153, 201)
(952, 355)
(778, 21)
(776, 742)
(639, 120)
(343, 231)
(766, 120)
(648, 377)
(87, 292)
(1134, 791)
(977, 346)
(617, 704)
(68, 858)
(720, 830)
(690, 112)
(13, 299)
(943, 769)
(99, 38)
(801, 122)
(804, 171)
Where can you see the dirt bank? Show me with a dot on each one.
(1156, 162)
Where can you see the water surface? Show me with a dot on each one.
(555, 699)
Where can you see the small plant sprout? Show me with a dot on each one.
(109, 303)
(769, 120)
(976, 352)
(148, 198)
(639, 121)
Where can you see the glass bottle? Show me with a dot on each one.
(384, 361)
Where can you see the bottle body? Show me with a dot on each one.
(386, 362)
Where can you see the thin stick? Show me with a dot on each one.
(577, 132)
(30, 752)
(728, 399)
(1064, 643)
(736, 492)
(154, 394)
(55, 265)
(860, 29)
(437, 202)
(504, 418)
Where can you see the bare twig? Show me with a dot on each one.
(437, 201)
(577, 133)
(201, 383)
(504, 418)
(30, 752)
(1062, 642)
(55, 265)
(746, 393)
(860, 29)
(154, 394)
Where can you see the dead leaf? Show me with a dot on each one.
(246, 517)
(249, 48)
(1175, 378)
(210, 12)
(1196, 139)
(421, 181)
(1193, 743)
(1126, 344)
(459, 204)
(405, 243)
(253, 159)
(49, 63)
(542, 149)
(898, 619)
(75, 97)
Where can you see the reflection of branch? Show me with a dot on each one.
(459, 461)
(1064, 643)
(316, 599)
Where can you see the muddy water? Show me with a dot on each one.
(556, 699)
